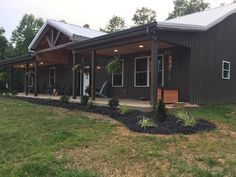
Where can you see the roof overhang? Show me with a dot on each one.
(116, 38)
(17, 60)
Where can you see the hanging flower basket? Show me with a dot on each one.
(82, 68)
(30, 73)
(114, 65)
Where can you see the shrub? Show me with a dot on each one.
(146, 123)
(84, 100)
(186, 118)
(124, 110)
(14, 92)
(64, 98)
(88, 90)
(90, 104)
(161, 111)
(113, 102)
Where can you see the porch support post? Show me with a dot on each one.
(10, 78)
(36, 78)
(93, 85)
(74, 77)
(154, 72)
(26, 78)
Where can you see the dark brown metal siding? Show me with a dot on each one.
(208, 49)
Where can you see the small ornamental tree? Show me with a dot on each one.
(161, 111)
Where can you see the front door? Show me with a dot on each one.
(86, 81)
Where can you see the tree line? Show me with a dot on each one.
(29, 25)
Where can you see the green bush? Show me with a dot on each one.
(14, 92)
(186, 118)
(113, 103)
(90, 104)
(161, 114)
(146, 123)
(64, 98)
(84, 100)
(124, 110)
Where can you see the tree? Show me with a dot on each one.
(86, 26)
(3, 43)
(185, 7)
(25, 32)
(144, 16)
(115, 24)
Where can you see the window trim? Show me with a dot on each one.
(52, 68)
(122, 73)
(228, 70)
(148, 70)
(163, 69)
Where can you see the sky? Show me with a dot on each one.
(96, 13)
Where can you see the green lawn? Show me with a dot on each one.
(45, 141)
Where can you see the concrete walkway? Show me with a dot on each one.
(131, 103)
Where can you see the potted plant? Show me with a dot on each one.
(82, 68)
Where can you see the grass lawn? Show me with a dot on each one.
(45, 141)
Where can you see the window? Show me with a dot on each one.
(225, 70)
(117, 78)
(141, 72)
(52, 76)
(30, 81)
(161, 70)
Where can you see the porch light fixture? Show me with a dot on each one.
(140, 46)
(116, 50)
(22, 66)
(31, 64)
(98, 67)
(41, 63)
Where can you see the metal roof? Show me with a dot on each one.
(74, 32)
(201, 20)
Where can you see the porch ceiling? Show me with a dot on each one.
(132, 48)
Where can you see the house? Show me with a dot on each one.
(190, 59)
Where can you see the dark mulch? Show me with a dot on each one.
(171, 126)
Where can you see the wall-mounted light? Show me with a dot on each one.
(22, 66)
(41, 63)
(31, 64)
(116, 50)
(140, 46)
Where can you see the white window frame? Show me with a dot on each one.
(135, 72)
(122, 73)
(148, 70)
(223, 70)
(52, 68)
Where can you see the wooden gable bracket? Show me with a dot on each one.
(51, 41)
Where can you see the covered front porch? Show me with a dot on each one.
(151, 69)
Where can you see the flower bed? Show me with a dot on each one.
(172, 125)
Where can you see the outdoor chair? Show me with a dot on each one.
(102, 92)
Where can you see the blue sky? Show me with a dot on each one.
(94, 12)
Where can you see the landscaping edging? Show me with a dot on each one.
(171, 126)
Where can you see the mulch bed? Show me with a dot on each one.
(171, 126)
